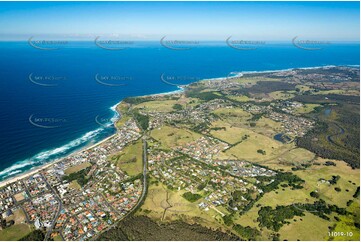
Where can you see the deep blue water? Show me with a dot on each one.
(75, 108)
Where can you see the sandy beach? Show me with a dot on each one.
(179, 90)
(42, 167)
(47, 165)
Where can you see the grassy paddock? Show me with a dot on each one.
(307, 108)
(171, 137)
(130, 159)
(15, 232)
(181, 209)
(309, 227)
(281, 95)
(248, 149)
(77, 168)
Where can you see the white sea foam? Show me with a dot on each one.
(12, 173)
(116, 114)
(241, 73)
(45, 156)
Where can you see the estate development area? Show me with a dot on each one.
(258, 156)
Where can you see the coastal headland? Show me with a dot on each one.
(255, 156)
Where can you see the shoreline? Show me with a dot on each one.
(44, 166)
(37, 169)
(180, 89)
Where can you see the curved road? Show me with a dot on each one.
(145, 163)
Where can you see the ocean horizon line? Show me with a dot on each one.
(90, 40)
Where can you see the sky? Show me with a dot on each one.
(329, 21)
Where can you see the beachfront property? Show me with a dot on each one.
(78, 196)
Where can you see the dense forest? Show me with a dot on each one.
(337, 135)
(143, 228)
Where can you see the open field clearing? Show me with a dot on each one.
(234, 117)
(307, 108)
(77, 168)
(266, 126)
(130, 159)
(20, 196)
(285, 196)
(58, 238)
(233, 114)
(297, 157)
(280, 95)
(167, 105)
(250, 81)
(348, 177)
(122, 121)
(303, 88)
(229, 134)
(74, 185)
(309, 227)
(158, 106)
(15, 232)
(291, 157)
(256, 148)
(18, 216)
(171, 137)
(313, 176)
(241, 98)
(239, 118)
(166, 205)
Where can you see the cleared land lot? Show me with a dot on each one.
(301, 229)
(158, 106)
(77, 168)
(240, 98)
(349, 180)
(130, 159)
(307, 108)
(228, 133)
(160, 198)
(251, 148)
(281, 95)
(171, 137)
(233, 115)
(15, 232)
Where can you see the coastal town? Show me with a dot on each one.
(77, 197)
(188, 169)
(216, 151)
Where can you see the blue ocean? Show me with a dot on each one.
(55, 102)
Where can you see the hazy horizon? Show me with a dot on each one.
(266, 21)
